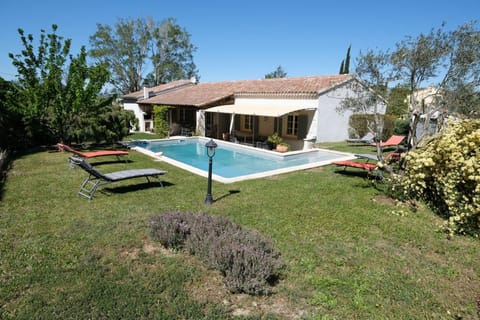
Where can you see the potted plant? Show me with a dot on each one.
(282, 147)
(278, 143)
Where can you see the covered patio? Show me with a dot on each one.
(251, 124)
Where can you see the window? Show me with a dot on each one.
(292, 125)
(247, 123)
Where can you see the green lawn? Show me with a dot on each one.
(350, 252)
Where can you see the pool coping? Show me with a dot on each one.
(158, 156)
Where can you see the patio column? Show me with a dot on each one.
(232, 123)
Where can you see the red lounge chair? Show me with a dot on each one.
(369, 167)
(92, 154)
(392, 141)
(360, 165)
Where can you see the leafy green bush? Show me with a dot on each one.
(446, 174)
(160, 122)
(247, 259)
(360, 125)
(401, 127)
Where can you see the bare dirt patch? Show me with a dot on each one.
(147, 247)
(384, 200)
(211, 289)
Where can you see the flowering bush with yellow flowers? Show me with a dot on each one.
(446, 175)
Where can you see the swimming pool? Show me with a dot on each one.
(233, 162)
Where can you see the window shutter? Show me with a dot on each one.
(236, 122)
(302, 126)
(277, 125)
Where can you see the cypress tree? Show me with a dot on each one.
(341, 67)
(345, 65)
(346, 68)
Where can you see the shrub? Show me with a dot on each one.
(170, 229)
(402, 127)
(247, 260)
(360, 125)
(446, 175)
(206, 231)
(160, 122)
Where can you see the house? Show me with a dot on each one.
(425, 100)
(301, 110)
(427, 105)
(143, 113)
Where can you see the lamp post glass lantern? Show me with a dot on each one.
(211, 146)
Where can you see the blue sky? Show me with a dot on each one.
(245, 39)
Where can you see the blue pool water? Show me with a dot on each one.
(230, 160)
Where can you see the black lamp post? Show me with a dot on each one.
(211, 146)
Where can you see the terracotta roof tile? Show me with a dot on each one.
(207, 93)
(162, 87)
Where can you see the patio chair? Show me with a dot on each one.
(366, 166)
(367, 139)
(353, 164)
(370, 167)
(92, 154)
(96, 179)
(392, 141)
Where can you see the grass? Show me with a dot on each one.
(351, 253)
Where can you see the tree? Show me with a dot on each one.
(278, 73)
(416, 60)
(58, 95)
(11, 128)
(454, 58)
(373, 70)
(171, 54)
(461, 83)
(124, 49)
(397, 100)
(345, 65)
(39, 84)
(133, 47)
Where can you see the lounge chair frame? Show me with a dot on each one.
(367, 139)
(96, 179)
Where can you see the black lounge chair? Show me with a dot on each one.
(96, 178)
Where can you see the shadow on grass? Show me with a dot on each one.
(358, 173)
(135, 187)
(104, 162)
(5, 163)
(230, 192)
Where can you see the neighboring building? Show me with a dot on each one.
(298, 109)
(428, 107)
(426, 100)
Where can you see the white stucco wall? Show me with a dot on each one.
(138, 114)
(332, 126)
